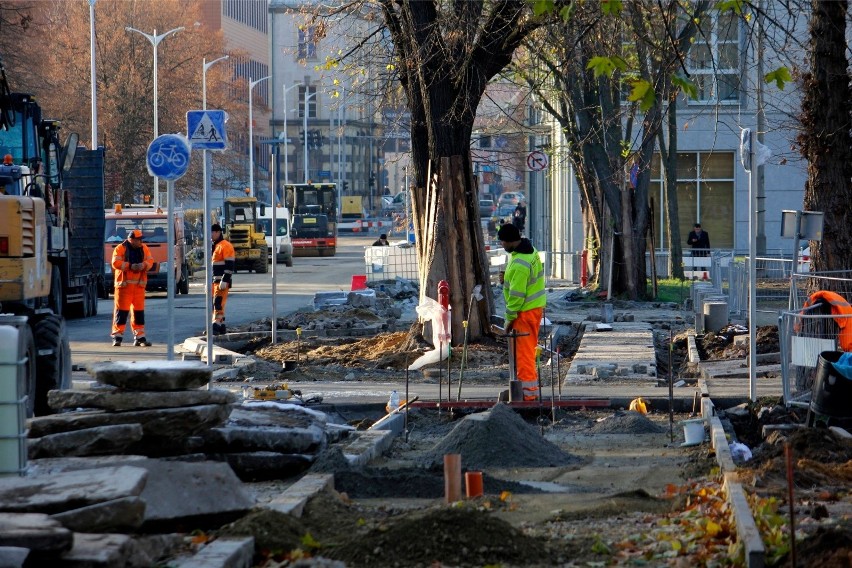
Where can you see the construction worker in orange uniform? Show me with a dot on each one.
(524, 293)
(224, 265)
(131, 261)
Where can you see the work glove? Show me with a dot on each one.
(223, 285)
(137, 266)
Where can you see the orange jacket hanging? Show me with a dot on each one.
(842, 311)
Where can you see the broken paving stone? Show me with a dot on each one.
(118, 400)
(118, 515)
(34, 531)
(71, 490)
(104, 551)
(97, 441)
(13, 556)
(191, 495)
(152, 375)
(166, 423)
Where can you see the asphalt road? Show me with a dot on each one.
(249, 300)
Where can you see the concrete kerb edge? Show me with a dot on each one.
(224, 553)
(293, 500)
(747, 531)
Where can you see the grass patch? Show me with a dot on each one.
(671, 290)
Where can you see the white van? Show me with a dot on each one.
(283, 245)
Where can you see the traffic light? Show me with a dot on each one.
(319, 141)
(345, 185)
(372, 180)
(302, 137)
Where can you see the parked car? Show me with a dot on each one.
(511, 198)
(393, 204)
(486, 208)
(504, 211)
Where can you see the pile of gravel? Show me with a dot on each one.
(629, 422)
(498, 438)
(330, 460)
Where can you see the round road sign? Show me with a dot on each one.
(168, 156)
(537, 161)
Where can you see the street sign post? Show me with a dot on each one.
(206, 129)
(168, 158)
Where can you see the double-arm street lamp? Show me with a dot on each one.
(155, 41)
(252, 85)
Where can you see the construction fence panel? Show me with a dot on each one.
(803, 335)
(390, 263)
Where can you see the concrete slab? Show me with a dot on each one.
(363, 446)
(71, 490)
(293, 500)
(221, 553)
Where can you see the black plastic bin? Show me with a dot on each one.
(832, 392)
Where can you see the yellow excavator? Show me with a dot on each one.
(35, 229)
(242, 229)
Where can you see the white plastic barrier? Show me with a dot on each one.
(13, 442)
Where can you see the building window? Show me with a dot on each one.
(312, 101)
(705, 194)
(307, 42)
(249, 70)
(252, 13)
(714, 58)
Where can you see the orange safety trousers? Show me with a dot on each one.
(525, 364)
(220, 298)
(129, 297)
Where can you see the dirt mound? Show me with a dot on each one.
(630, 422)
(498, 438)
(442, 537)
(720, 346)
(827, 548)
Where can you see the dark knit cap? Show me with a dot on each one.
(509, 233)
(215, 227)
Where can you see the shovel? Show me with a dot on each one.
(477, 294)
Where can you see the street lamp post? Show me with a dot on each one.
(205, 221)
(94, 77)
(305, 124)
(155, 41)
(286, 136)
(252, 85)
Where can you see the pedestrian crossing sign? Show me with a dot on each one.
(206, 129)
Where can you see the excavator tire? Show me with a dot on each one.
(54, 367)
(261, 266)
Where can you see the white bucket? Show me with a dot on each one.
(693, 431)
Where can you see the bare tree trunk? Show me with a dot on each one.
(826, 141)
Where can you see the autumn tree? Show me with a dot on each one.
(60, 77)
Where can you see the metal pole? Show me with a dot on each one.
(208, 266)
(154, 42)
(274, 187)
(752, 272)
(252, 85)
(93, 74)
(170, 265)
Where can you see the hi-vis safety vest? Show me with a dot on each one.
(523, 284)
(839, 307)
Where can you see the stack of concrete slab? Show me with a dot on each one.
(152, 408)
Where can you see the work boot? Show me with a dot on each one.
(116, 341)
(141, 342)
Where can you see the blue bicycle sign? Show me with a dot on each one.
(168, 156)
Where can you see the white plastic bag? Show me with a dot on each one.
(431, 310)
